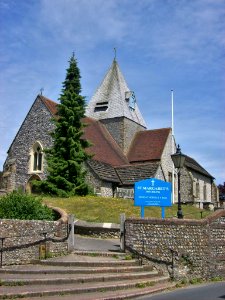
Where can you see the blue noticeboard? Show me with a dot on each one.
(152, 192)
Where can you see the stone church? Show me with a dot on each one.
(124, 150)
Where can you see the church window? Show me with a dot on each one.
(101, 106)
(36, 158)
(205, 192)
(197, 190)
(170, 177)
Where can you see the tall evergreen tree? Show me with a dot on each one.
(66, 174)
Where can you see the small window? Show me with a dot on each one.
(101, 106)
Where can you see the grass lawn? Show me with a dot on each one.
(100, 209)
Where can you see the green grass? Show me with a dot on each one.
(100, 209)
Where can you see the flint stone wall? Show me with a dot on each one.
(122, 130)
(97, 230)
(184, 248)
(23, 239)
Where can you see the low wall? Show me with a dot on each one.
(184, 248)
(22, 241)
(97, 230)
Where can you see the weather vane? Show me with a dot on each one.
(114, 53)
(41, 90)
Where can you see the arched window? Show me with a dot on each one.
(37, 157)
(205, 192)
(197, 190)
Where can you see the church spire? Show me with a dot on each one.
(113, 98)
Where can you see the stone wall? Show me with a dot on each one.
(97, 230)
(184, 248)
(166, 161)
(100, 187)
(122, 130)
(25, 240)
(186, 186)
(17, 166)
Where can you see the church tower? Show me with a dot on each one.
(114, 104)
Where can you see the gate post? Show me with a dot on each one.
(70, 240)
(122, 232)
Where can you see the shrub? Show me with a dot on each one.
(18, 205)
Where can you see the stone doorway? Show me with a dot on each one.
(29, 186)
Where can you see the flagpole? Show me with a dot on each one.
(172, 145)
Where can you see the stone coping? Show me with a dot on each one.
(207, 220)
(92, 225)
(63, 215)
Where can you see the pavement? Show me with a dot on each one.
(94, 244)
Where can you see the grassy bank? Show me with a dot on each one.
(99, 209)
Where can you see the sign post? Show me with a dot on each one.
(152, 192)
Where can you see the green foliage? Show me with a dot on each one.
(67, 156)
(217, 278)
(196, 280)
(144, 284)
(18, 205)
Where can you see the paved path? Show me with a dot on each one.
(88, 244)
(209, 291)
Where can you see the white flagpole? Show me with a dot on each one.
(172, 143)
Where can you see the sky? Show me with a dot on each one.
(161, 45)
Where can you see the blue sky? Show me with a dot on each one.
(161, 45)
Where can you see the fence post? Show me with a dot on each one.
(122, 232)
(70, 240)
(2, 240)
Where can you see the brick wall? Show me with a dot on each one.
(192, 245)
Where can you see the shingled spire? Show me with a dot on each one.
(114, 104)
(113, 98)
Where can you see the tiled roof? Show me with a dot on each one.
(110, 99)
(195, 166)
(103, 170)
(51, 105)
(130, 174)
(104, 147)
(148, 145)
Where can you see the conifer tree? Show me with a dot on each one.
(66, 174)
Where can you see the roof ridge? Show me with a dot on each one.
(197, 165)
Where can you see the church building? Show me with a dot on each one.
(124, 150)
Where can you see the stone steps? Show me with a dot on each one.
(64, 278)
(28, 279)
(52, 270)
(84, 264)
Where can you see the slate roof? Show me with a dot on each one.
(148, 145)
(104, 171)
(130, 174)
(111, 92)
(192, 164)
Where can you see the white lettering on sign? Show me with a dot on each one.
(152, 188)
